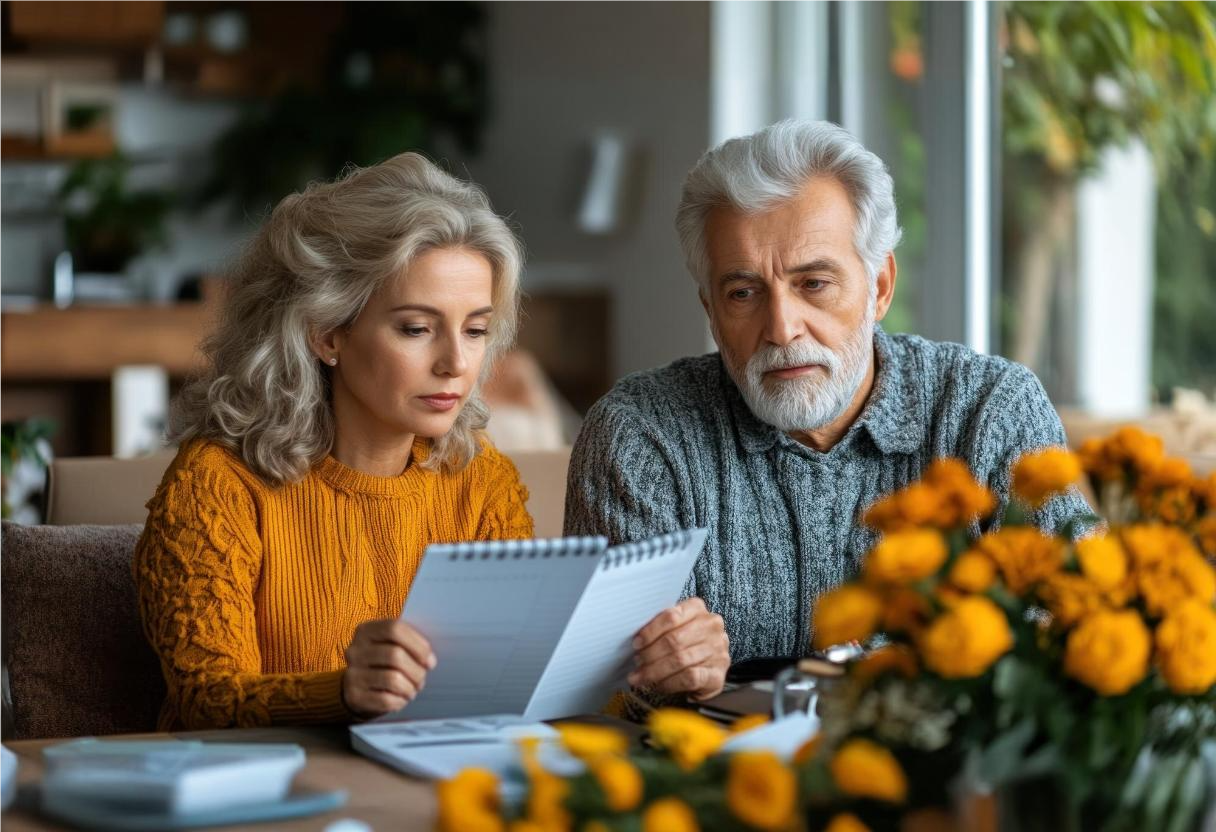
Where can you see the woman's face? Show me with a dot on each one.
(407, 365)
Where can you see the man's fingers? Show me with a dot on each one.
(696, 680)
(657, 671)
(668, 619)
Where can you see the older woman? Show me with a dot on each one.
(335, 435)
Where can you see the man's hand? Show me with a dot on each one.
(684, 649)
(386, 666)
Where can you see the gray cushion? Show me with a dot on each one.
(76, 659)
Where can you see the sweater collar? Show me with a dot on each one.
(892, 416)
(354, 481)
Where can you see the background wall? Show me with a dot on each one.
(562, 74)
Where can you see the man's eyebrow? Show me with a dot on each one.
(430, 310)
(819, 264)
(737, 274)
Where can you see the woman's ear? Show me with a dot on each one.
(327, 346)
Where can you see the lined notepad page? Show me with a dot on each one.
(493, 613)
(633, 583)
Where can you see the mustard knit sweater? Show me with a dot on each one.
(251, 594)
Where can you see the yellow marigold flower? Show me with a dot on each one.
(808, 750)
(862, 768)
(1102, 560)
(966, 639)
(525, 825)
(904, 557)
(761, 790)
(747, 722)
(588, 741)
(1167, 472)
(904, 611)
(546, 803)
(1040, 475)
(469, 802)
(890, 658)
(845, 822)
(847, 613)
(1024, 555)
(1182, 575)
(884, 515)
(972, 571)
(1071, 597)
(1108, 651)
(1205, 490)
(1186, 647)
(1205, 534)
(1097, 462)
(589, 826)
(1132, 446)
(669, 815)
(920, 504)
(619, 780)
(687, 736)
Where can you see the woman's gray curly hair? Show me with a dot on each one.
(312, 268)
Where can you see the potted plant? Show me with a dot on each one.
(106, 222)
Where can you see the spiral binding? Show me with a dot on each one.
(557, 547)
(627, 553)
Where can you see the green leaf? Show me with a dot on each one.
(1000, 762)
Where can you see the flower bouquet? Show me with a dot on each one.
(1071, 674)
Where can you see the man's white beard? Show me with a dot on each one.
(809, 402)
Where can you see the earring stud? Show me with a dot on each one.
(333, 361)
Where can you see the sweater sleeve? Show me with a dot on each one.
(505, 515)
(1015, 419)
(196, 569)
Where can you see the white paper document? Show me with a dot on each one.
(532, 629)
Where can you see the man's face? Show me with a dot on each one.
(792, 307)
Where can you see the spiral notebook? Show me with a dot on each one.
(538, 629)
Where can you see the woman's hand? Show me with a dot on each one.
(684, 649)
(386, 666)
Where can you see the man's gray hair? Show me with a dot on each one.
(756, 173)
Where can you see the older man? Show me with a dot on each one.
(807, 415)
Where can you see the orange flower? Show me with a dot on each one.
(845, 822)
(891, 658)
(1071, 597)
(904, 557)
(966, 639)
(1040, 475)
(469, 802)
(1102, 560)
(904, 611)
(973, 571)
(1108, 651)
(761, 790)
(589, 741)
(848, 613)
(808, 750)
(862, 768)
(747, 722)
(1186, 648)
(1023, 554)
(1205, 534)
(619, 780)
(669, 814)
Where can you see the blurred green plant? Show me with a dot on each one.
(1079, 78)
(399, 76)
(21, 440)
(105, 221)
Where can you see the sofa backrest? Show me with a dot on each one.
(107, 490)
(75, 658)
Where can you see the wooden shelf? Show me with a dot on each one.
(81, 343)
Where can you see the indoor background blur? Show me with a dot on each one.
(1053, 164)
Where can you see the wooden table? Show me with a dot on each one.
(379, 796)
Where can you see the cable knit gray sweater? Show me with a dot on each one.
(678, 447)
